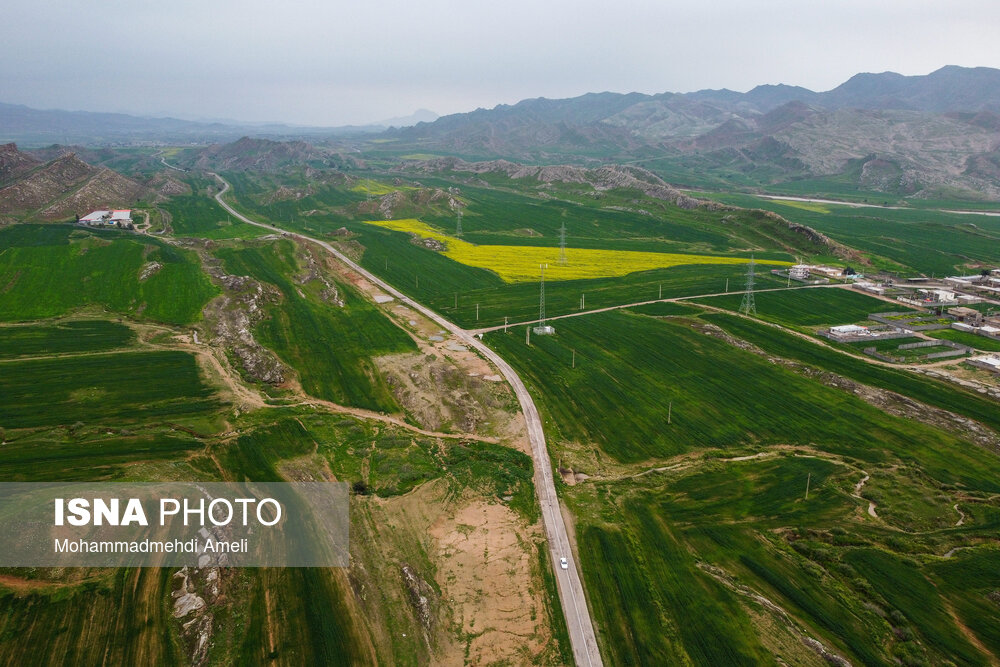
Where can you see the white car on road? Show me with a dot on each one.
(563, 563)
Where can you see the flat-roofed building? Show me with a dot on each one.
(967, 315)
(95, 217)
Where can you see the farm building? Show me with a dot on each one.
(849, 331)
(989, 363)
(121, 215)
(868, 286)
(799, 272)
(965, 315)
(989, 330)
(95, 218)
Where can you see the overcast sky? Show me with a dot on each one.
(334, 63)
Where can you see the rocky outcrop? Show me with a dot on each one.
(14, 163)
(233, 316)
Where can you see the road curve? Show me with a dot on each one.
(574, 603)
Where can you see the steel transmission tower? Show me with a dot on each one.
(458, 225)
(748, 306)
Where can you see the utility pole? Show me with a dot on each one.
(505, 324)
(727, 285)
(583, 301)
(574, 358)
(661, 291)
(417, 278)
(670, 411)
(541, 297)
(527, 335)
(477, 312)
(456, 300)
(808, 479)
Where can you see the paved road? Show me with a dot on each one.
(574, 604)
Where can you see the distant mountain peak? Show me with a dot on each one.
(418, 116)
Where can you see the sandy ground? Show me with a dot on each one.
(491, 607)
(485, 575)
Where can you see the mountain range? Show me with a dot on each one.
(886, 133)
(936, 135)
(37, 127)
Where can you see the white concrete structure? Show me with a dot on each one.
(121, 215)
(850, 330)
(799, 272)
(990, 363)
(94, 217)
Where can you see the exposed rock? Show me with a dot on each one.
(149, 269)
(330, 293)
(234, 315)
(13, 162)
(197, 630)
(420, 596)
(433, 244)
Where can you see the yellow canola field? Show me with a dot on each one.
(520, 263)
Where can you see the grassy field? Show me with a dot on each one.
(808, 307)
(50, 270)
(921, 241)
(932, 392)
(71, 337)
(965, 338)
(721, 397)
(664, 554)
(114, 389)
(201, 216)
(521, 263)
(329, 346)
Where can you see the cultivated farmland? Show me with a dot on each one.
(521, 263)
(683, 523)
(808, 307)
(50, 270)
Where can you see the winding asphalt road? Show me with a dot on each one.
(574, 604)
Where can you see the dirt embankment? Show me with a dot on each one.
(471, 594)
(443, 396)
